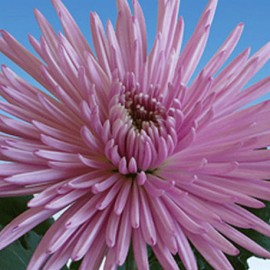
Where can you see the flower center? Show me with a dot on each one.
(143, 131)
(143, 110)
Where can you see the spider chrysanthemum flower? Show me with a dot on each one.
(135, 153)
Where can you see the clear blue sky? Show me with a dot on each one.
(17, 17)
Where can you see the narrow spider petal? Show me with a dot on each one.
(23, 223)
(37, 176)
(71, 29)
(147, 224)
(183, 218)
(101, 45)
(94, 256)
(88, 236)
(225, 50)
(47, 30)
(17, 53)
(243, 240)
(110, 260)
(220, 242)
(122, 198)
(42, 252)
(213, 255)
(165, 257)
(124, 236)
(135, 208)
(139, 249)
(194, 49)
(184, 250)
(65, 200)
(64, 253)
(8, 169)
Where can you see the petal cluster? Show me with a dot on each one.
(133, 151)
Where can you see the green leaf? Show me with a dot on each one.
(42, 228)
(129, 264)
(202, 263)
(153, 262)
(75, 265)
(10, 208)
(17, 256)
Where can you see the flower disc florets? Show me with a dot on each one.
(143, 129)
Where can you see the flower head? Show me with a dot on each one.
(133, 151)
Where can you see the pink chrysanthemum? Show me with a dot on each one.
(134, 153)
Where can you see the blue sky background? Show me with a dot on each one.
(17, 17)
